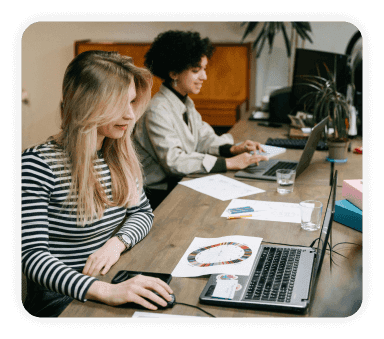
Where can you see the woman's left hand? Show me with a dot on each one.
(246, 146)
(104, 258)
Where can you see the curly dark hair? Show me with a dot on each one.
(176, 51)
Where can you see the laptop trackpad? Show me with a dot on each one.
(262, 167)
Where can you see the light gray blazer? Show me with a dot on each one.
(168, 147)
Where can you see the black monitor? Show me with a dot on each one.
(311, 62)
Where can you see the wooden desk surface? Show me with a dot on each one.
(186, 214)
(318, 172)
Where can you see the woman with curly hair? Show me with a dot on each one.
(82, 199)
(171, 138)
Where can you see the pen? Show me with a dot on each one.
(239, 216)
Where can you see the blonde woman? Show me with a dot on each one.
(81, 184)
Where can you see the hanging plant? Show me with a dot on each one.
(271, 29)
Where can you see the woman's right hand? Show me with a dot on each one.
(243, 160)
(131, 290)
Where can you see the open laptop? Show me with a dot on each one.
(283, 277)
(267, 169)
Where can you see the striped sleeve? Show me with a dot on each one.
(38, 263)
(139, 220)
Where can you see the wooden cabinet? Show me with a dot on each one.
(228, 75)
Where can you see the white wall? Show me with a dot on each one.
(272, 69)
(48, 47)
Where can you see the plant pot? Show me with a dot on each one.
(337, 149)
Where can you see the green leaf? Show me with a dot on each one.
(271, 35)
(287, 42)
(261, 45)
(250, 28)
(326, 100)
(261, 34)
(271, 29)
(301, 30)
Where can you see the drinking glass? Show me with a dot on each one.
(311, 211)
(285, 180)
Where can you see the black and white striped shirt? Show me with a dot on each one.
(54, 248)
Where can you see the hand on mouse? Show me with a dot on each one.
(243, 160)
(132, 290)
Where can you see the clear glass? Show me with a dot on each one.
(285, 180)
(311, 211)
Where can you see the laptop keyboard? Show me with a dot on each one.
(274, 277)
(280, 165)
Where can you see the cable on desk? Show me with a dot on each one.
(344, 242)
(211, 315)
(330, 252)
(331, 249)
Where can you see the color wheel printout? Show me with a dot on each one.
(233, 254)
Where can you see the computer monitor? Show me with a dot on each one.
(311, 62)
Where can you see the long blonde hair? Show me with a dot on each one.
(95, 93)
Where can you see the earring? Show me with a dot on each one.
(174, 82)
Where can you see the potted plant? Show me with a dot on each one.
(325, 100)
(271, 29)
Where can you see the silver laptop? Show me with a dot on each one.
(267, 169)
(283, 277)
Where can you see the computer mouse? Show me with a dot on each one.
(169, 303)
(172, 302)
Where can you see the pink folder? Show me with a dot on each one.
(353, 191)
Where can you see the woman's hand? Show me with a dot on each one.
(246, 146)
(104, 258)
(131, 290)
(243, 160)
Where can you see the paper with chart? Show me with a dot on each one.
(267, 210)
(233, 255)
(221, 187)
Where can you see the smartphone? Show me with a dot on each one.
(125, 275)
(270, 124)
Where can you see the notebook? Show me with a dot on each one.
(266, 170)
(283, 278)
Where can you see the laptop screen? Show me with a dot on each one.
(310, 146)
(326, 227)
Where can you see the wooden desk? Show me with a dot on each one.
(186, 214)
(318, 172)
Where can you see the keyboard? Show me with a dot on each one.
(295, 143)
(280, 165)
(275, 274)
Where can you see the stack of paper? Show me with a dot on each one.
(221, 187)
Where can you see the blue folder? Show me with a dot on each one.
(349, 215)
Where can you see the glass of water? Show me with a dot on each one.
(285, 180)
(311, 211)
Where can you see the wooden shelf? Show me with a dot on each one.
(228, 75)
